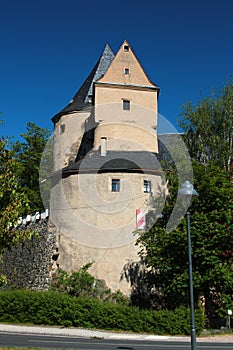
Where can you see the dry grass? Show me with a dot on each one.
(6, 348)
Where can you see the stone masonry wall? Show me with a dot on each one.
(30, 264)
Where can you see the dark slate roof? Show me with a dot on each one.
(115, 161)
(102, 66)
(83, 98)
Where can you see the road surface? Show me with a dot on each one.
(86, 343)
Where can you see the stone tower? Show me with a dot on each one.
(106, 171)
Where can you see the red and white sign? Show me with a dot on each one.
(140, 220)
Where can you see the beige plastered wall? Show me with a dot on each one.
(97, 225)
(68, 133)
(136, 128)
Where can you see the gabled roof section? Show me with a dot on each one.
(125, 69)
(83, 98)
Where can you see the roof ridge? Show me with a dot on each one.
(104, 62)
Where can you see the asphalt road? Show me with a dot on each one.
(82, 343)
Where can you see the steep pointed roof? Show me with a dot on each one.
(125, 58)
(83, 98)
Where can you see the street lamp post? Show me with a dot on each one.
(188, 190)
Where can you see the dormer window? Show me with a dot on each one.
(126, 71)
(126, 48)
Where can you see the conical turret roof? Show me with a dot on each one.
(83, 98)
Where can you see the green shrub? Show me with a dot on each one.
(82, 283)
(78, 283)
(58, 309)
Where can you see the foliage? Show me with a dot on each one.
(78, 283)
(82, 283)
(165, 253)
(3, 280)
(52, 308)
(46, 169)
(28, 155)
(208, 128)
(13, 199)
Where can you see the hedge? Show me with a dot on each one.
(57, 309)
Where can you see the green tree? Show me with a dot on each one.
(208, 128)
(165, 253)
(28, 154)
(13, 201)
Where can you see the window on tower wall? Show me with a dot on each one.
(62, 128)
(126, 105)
(147, 186)
(115, 185)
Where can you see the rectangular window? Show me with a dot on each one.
(126, 48)
(126, 71)
(62, 128)
(115, 185)
(147, 186)
(126, 105)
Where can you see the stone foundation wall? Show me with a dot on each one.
(30, 264)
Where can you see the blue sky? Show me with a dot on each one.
(48, 48)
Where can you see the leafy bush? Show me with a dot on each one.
(82, 283)
(53, 308)
(78, 283)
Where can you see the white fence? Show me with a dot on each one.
(31, 218)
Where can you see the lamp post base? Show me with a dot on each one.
(193, 339)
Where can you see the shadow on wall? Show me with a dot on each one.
(141, 294)
(88, 137)
(145, 295)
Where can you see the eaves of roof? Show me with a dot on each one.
(115, 161)
(128, 86)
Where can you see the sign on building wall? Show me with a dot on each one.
(140, 220)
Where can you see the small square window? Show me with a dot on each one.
(126, 105)
(126, 70)
(126, 48)
(62, 128)
(147, 186)
(115, 185)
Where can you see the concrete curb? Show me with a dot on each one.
(80, 332)
(88, 333)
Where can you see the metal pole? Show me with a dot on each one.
(193, 331)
